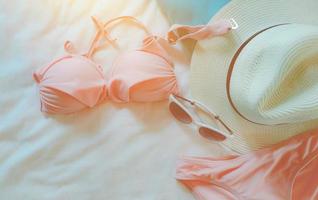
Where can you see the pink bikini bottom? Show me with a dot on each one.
(285, 171)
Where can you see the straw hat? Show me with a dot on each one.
(262, 78)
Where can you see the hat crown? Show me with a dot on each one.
(275, 77)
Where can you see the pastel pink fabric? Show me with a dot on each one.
(75, 82)
(143, 75)
(179, 32)
(70, 84)
(285, 171)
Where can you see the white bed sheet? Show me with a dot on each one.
(113, 151)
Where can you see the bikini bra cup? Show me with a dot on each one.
(147, 74)
(70, 84)
(75, 82)
(156, 45)
(143, 75)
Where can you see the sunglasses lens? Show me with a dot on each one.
(211, 134)
(179, 113)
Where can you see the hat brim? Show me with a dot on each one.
(211, 59)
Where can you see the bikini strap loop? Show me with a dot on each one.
(128, 18)
(103, 27)
(101, 32)
(69, 46)
(181, 32)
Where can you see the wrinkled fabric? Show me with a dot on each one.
(143, 75)
(76, 82)
(179, 32)
(286, 171)
(70, 84)
(64, 157)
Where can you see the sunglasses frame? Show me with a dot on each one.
(174, 98)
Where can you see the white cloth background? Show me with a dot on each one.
(113, 151)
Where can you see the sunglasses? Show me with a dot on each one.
(181, 113)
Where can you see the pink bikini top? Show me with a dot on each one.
(75, 82)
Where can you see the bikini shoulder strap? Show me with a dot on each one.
(102, 32)
(179, 32)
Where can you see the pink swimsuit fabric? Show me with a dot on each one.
(285, 171)
(75, 82)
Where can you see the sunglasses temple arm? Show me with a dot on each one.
(205, 108)
(225, 126)
(185, 99)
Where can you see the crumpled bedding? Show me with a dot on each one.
(113, 151)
